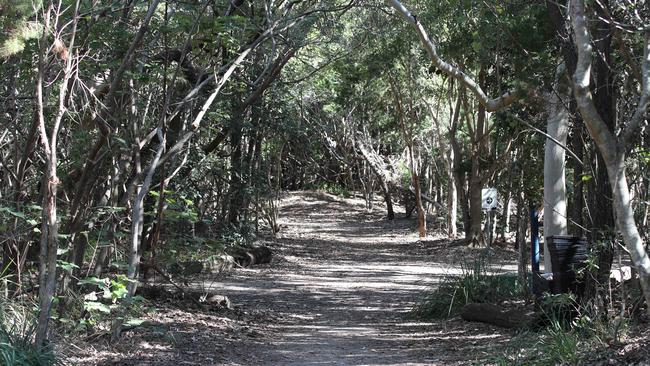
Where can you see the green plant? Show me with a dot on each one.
(559, 345)
(17, 325)
(100, 303)
(566, 333)
(476, 283)
(335, 189)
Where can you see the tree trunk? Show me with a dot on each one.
(479, 149)
(577, 204)
(49, 247)
(452, 206)
(612, 150)
(507, 214)
(50, 183)
(605, 99)
(520, 240)
(475, 203)
(555, 207)
(236, 166)
(422, 219)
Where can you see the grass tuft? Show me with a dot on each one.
(17, 326)
(476, 284)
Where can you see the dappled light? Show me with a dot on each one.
(324, 182)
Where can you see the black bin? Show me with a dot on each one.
(568, 256)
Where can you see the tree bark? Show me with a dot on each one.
(520, 239)
(605, 100)
(475, 205)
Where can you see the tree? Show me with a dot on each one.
(50, 225)
(555, 205)
(613, 148)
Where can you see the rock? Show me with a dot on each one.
(219, 300)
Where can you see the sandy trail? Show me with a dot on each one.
(342, 288)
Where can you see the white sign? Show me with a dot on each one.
(489, 198)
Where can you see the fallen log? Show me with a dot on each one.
(493, 314)
(427, 199)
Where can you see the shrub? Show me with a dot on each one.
(475, 284)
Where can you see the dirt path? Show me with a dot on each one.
(341, 291)
(337, 292)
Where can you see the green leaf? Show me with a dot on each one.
(97, 306)
(119, 292)
(67, 266)
(101, 282)
(476, 46)
(134, 322)
(20, 215)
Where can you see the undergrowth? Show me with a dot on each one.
(17, 327)
(567, 333)
(475, 284)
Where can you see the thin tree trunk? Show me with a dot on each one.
(475, 205)
(50, 224)
(452, 204)
(577, 204)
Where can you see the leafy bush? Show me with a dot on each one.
(474, 285)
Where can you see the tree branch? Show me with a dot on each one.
(581, 79)
(491, 105)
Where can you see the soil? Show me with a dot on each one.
(337, 292)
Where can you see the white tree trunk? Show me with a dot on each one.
(452, 201)
(507, 213)
(612, 149)
(555, 207)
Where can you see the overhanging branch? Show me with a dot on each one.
(491, 105)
